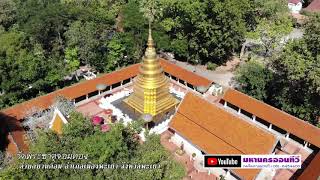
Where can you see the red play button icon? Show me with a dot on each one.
(212, 161)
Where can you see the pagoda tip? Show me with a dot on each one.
(150, 40)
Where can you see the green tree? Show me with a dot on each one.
(253, 79)
(273, 24)
(212, 29)
(312, 34)
(44, 22)
(296, 86)
(115, 54)
(150, 9)
(135, 27)
(270, 9)
(114, 147)
(84, 37)
(152, 152)
(7, 13)
(34, 35)
(71, 57)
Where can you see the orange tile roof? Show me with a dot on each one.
(184, 74)
(19, 111)
(16, 136)
(314, 6)
(86, 87)
(274, 116)
(215, 131)
(312, 171)
(12, 147)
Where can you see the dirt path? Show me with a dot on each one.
(222, 75)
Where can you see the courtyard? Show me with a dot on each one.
(94, 106)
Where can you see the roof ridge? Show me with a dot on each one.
(242, 118)
(232, 114)
(211, 132)
(272, 107)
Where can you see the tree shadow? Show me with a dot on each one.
(10, 126)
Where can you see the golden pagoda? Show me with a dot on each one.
(151, 87)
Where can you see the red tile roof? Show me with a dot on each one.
(184, 74)
(274, 116)
(215, 131)
(14, 132)
(314, 6)
(294, 1)
(312, 171)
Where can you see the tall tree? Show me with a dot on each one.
(312, 34)
(296, 87)
(213, 29)
(273, 23)
(7, 13)
(83, 36)
(71, 57)
(115, 55)
(253, 79)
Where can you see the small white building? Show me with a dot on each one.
(295, 6)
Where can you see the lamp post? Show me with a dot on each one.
(202, 89)
(101, 87)
(195, 67)
(146, 118)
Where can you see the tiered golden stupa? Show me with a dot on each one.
(151, 87)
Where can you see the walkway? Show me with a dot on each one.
(287, 149)
(192, 173)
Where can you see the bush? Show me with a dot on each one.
(211, 66)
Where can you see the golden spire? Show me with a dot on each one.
(151, 50)
(151, 87)
(150, 40)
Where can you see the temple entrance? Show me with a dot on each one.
(150, 125)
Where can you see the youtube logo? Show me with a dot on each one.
(224, 161)
(212, 161)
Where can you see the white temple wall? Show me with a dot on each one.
(188, 147)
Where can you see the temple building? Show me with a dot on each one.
(57, 121)
(210, 119)
(151, 87)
